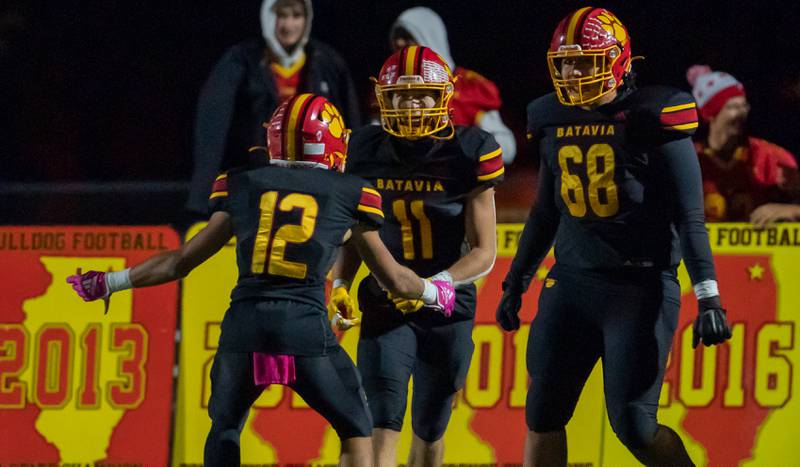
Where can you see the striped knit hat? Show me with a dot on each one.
(712, 89)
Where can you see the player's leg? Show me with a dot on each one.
(233, 391)
(563, 346)
(331, 385)
(444, 355)
(638, 333)
(385, 362)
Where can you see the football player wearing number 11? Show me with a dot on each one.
(436, 182)
(620, 194)
(289, 218)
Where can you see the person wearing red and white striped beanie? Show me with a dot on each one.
(740, 172)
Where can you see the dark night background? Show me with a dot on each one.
(100, 91)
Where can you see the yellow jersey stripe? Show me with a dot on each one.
(491, 155)
(291, 126)
(675, 108)
(685, 126)
(370, 191)
(370, 210)
(287, 72)
(573, 23)
(492, 175)
(411, 59)
(218, 194)
(221, 176)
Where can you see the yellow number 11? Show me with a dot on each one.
(407, 231)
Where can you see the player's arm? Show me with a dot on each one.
(534, 243)
(397, 279)
(346, 265)
(480, 226)
(160, 268)
(681, 170)
(537, 235)
(177, 264)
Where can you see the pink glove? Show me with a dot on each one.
(90, 286)
(445, 297)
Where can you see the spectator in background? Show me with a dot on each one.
(476, 101)
(251, 79)
(740, 172)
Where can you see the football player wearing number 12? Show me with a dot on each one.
(289, 218)
(436, 182)
(620, 194)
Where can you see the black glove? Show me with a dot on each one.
(508, 309)
(711, 326)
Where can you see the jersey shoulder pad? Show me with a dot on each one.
(364, 142)
(218, 199)
(367, 200)
(665, 111)
(539, 112)
(481, 147)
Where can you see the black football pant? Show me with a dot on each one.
(329, 384)
(627, 319)
(438, 357)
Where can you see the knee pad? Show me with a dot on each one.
(634, 425)
(543, 414)
(430, 414)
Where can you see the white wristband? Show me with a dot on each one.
(443, 275)
(430, 294)
(341, 283)
(120, 280)
(706, 289)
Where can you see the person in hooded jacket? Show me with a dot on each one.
(476, 101)
(248, 83)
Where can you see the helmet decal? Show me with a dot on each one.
(589, 55)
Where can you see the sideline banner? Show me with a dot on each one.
(732, 405)
(78, 387)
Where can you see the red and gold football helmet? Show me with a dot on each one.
(589, 55)
(414, 71)
(308, 130)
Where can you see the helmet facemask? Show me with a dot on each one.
(417, 122)
(582, 77)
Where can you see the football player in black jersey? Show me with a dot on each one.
(620, 194)
(436, 182)
(289, 221)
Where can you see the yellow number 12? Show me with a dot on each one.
(289, 233)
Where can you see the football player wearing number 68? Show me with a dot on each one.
(620, 194)
(289, 218)
(437, 182)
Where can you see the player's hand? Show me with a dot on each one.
(768, 214)
(711, 326)
(507, 314)
(406, 305)
(340, 309)
(445, 296)
(90, 286)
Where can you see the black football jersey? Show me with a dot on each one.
(424, 187)
(606, 176)
(289, 224)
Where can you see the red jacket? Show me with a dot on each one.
(759, 172)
